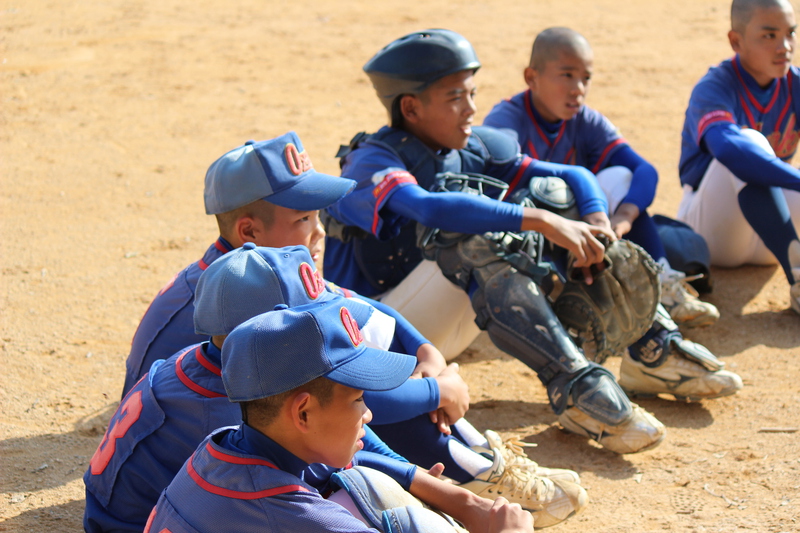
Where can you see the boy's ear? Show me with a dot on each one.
(245, 229)
(530, 77)
(735, 38)
(299, 411)
(408, 107)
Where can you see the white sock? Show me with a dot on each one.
(472, 436)
(470, 461)
(794, 259)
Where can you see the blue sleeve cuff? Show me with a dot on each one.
(399, 471)
(411, 399)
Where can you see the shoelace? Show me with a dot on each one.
(522, 482)
(513, 453)
(677, 288)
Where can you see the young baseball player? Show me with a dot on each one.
(305, 407)
(401, 414)
(274, 205)
(174, 407)
(181, 400)
(739, 137)
(425, 81)
(552, 123)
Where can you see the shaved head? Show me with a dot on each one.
(552, 41)
(742, 11)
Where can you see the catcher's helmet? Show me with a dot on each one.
(412, 63)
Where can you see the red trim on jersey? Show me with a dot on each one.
(208, 365)
(787, 103)
(718, 115)
(526, 162)
(382, 190)
(751, 122)
(533, 151)
(540, 131)
(229, 458)
(149, 521)
(236, 494)
(761, 109)
(191, 384)
(219, 245)
(570, 155)
(603, 156)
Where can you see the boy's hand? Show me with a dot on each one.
(622, 220)
(453, 398)
(599, 219)
(576, 237)
(505, 517)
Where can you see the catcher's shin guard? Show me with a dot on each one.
(520, 321)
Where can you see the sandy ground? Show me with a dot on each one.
(112, 111)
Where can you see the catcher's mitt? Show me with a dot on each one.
(618, 308)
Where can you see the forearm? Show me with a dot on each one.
(628, 212)
(589, 197)
(644, 178)
(748, 161)
(466, 507)
(455, 211)
(413, 398)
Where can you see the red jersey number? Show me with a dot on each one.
(129, 413)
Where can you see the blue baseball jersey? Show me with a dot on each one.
(728, 94)
(240, 480)
(168, 324)
(391, 160)
(589, 139)
(156, 428)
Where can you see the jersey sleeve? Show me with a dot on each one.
(379, 173)
(597, 139)
(712, 102)
(588, 194)
(411, 399)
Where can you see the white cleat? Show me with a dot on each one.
(641, 432)
(549, 501)
(683, 302)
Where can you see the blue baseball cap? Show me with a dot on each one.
(252, 280)
(278, 171)
(280, 350)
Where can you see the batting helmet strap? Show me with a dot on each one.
(410, 64)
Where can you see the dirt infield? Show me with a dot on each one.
(112, 111)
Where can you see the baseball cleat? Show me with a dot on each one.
(515, 457)
(683, 378)
(641, 432)
(549, 501)
(683, 303)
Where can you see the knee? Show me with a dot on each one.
(758, 138)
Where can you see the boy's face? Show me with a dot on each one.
(291, 227)
(560, 88)
(766, 46)
(339, 427)
(442, 116)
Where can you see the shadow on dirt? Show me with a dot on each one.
(56, 519)
(53, 459)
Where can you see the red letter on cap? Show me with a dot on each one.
(298, 163)
(312, 281)
(351, 326)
